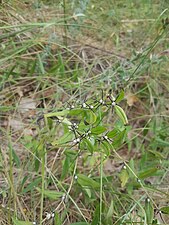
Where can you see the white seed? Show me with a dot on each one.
(89, 132)
(124, 167)
(72, 106)
(113, 103)
(63, 197)
(75, 177)
(91, 106)
(101, 101)
(48, 216)
(75, 141)
(53, 215)
(78, 140)
(74, 124)
(148, 200)
(139, 181)
(34, 223)
(105, 137)
(84, 105)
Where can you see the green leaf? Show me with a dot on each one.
(65, 168)
(162, 143)
(156, 154)
(113, 133)
(110, 210)
(54, 195)
(89, 145)
(124, 176)
(59, 113)
(98, 130)
(36, 160)
(57, 220)
(15, 158)
(64, 120)
(75, 112)
(64, 139)
(88, 192)
(106, 147)
(71, 154)
(120, 97)
(120, 112)
(32, 185)
(119, 139)
(85, 181)
(147, 173)
(90, 117)
(165, 209)
(20, 222)
(149, 210)
(80, 223)
(96, 216)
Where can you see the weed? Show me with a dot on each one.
(72, 151)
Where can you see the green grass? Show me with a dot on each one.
(59, 54)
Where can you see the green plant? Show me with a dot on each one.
(85, 133)
(77, 162)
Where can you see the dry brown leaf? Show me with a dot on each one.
(131, 99)
(16, 125)
(26, 104)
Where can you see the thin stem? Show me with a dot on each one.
(65, 23)
(43, 185)
(101, 186)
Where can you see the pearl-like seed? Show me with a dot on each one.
(78, 140)
(63, 197)
(113, 103)
(75, 177)
(101, 101)
(84, 105)
(48, 216)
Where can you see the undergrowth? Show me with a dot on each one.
(84, 112)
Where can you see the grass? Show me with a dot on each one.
(57, 55)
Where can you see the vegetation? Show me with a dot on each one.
(84, 112)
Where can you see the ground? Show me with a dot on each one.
(57, 55)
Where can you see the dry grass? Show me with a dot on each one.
(50, 57)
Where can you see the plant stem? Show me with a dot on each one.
(65, 23)
(43, 185)
(101, 187)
